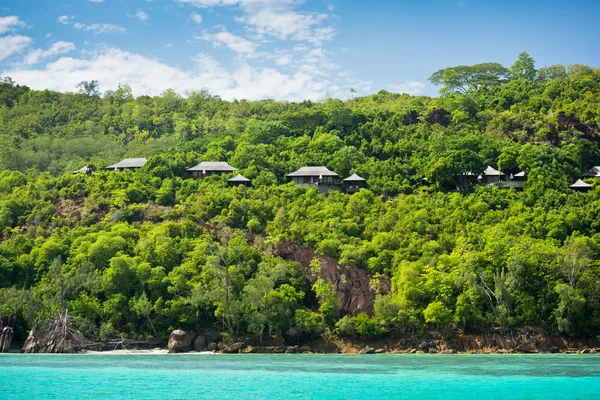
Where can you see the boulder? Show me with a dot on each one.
(367, 350)
(181, 341)
(199, 343)
(234, 348)
(222, 345)
(248, 350)
(524, 348)
(305, 349)
(212, 346)
(379, 351)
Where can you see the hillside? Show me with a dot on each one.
(137, 254)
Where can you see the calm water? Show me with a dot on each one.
(299, 377)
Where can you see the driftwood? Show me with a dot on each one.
(6, 333)
(54, 336)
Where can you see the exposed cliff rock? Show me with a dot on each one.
(353, 285)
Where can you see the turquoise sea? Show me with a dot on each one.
(205, 376)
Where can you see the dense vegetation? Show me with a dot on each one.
(129, 253)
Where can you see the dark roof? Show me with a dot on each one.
(313, 171)
(594, 171)
(128, 163)
(219, 166)
(580, 185)
(238, 178)
(83, 170)
(354, 178)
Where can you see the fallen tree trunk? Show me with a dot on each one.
(6, 333)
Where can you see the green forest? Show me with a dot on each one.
(130, 255)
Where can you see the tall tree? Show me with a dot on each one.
(523, 68)
(463, 78)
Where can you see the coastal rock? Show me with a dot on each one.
(181, 341)
(248, 350)
(305, 349)
(379, 351)
(199, 343)
(212, 346)
(524, 348)
(221, 345)
(367, 350)
(234, 348)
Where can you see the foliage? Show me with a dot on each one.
(135, 254)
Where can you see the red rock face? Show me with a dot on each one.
(353, 285)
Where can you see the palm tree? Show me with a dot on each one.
(352, 92)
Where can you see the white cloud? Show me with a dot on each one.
(287, 24)
(57, 48)
(235, 43)
(283, 60)
(142, 16)
(64, 19)
(9, 23)
(151, 77)
(97, 1)
(197, 18)
(10, 45)
(410, 87)
(276, 18)
(221, 3)
(100, 28)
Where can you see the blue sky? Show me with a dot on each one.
(282, 49)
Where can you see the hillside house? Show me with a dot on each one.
(83, 170)
(592, 173)
(321, 177)
(209, 168)
(581, 186)
(238, 180)
(128, 163)
(491, 176)
(354, 183)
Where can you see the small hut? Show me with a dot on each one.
(354, 183)
(490, 175)
(128, 163)
(581, 186)
(519, 177)
(208, 168)
(239, 180)
(592, 173)
(83, 170)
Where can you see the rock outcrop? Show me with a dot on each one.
(352, 284)
(181, 341)
(6, 333)
(199, 343)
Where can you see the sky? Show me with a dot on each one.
(282, 49)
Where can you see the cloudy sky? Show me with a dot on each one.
(282, 49)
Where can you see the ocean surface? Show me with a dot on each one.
(254, 376)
